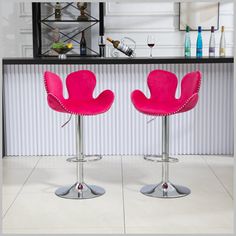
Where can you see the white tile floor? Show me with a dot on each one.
(30, 206)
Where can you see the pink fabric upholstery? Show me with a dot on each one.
(80, 86)
(162, 85)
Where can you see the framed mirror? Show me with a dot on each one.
(194, 14)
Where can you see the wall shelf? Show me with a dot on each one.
(44, 25)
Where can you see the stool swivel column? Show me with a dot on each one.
(80, 190)
(165, 189)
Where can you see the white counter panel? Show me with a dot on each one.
(32, 128)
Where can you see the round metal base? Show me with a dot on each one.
(165, 190)
(157, 158)
(86, 158)
(80, 191)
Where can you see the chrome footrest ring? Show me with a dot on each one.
(158, 158)
(86, 158)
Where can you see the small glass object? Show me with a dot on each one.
(151, 43)
(102, 46)
(62, 56)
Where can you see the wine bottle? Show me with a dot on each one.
(83, 48)
(222, 42)
(212, 43)
(58, 11)
(121, 47)
(187, 44)
(199, 42)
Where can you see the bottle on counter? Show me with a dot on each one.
(199, 43)
(121, 47)
(212, 43)
(222, 42)
(187, 43)
(83, 48)
(58, 11)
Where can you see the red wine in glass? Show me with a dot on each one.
(151, 43)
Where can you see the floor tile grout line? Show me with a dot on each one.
(212, 170)
(18, 193)
(123, 195)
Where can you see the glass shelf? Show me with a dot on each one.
(70, 21)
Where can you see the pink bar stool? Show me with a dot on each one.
(80, 86)
(162, 85)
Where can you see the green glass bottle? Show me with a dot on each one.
(187, 43)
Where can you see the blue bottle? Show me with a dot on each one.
(199, 42)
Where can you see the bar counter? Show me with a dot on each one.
(126, 60)
(31, 128)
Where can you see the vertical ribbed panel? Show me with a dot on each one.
(32, 128)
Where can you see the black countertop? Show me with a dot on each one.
(98, 60)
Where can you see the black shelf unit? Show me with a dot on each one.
(38, 21)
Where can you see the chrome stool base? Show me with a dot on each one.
(80, 191)
(159, 158)
(165, 190)
(86, 158)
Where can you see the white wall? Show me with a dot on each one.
(135, 20)
(162, 20)
(17, 29)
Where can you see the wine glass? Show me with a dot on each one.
(151, 43)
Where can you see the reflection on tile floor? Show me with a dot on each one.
(30, 206)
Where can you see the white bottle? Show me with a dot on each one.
(212, 43)
(222, 42)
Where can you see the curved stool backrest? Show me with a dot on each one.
(163, 102)
(162, 85)
(190, 84)
(80, 86)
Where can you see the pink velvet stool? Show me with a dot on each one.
(162, 85)
(80, 86)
